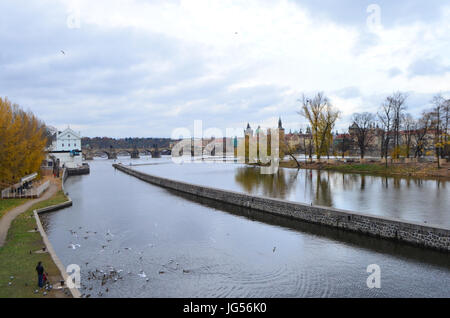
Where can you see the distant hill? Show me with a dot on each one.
(106, 142)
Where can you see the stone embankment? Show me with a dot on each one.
(430, 236)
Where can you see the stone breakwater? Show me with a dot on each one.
(430, 236)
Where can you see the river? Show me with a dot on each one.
(158, 243)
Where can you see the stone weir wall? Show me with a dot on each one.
(435, 237)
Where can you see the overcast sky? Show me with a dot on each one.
(143, 68)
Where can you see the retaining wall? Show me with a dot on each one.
(431, 236)
(74, 291)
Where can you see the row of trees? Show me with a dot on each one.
(397, 131)
(22, 143)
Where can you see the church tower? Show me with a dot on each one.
(282, 141)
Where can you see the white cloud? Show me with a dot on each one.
(182, 60)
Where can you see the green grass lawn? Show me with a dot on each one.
(16, 260)
(367, 168)
(8, 204)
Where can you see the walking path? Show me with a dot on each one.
(6, 220)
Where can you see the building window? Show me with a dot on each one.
(63, 145)
(69, 145)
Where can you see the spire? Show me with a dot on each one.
(248, 126)
(280, 126)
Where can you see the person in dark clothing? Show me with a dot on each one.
(40, 272)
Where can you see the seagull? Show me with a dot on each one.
(142, 274)
(63, 52)
(274, 248)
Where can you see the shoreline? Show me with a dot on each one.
(56, 201)
(74, 291)
(394, 170)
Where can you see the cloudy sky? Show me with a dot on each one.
(144, 68)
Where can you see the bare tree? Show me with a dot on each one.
(438, 102)
(445, 121)
(420, 131)
(386, 116)
(408, 124)
(345, 145)
(363, 133)
(397, 102)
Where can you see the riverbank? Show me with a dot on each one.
(9, 204)
(416, 170)
(24, 248)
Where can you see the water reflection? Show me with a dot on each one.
(192, 247)
(410, 199)
(276, 185)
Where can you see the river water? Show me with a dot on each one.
(160, 243)
(409, 199)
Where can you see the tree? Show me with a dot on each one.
(22, 142)
(397, 102)
(438, 102)
(445, 122)
(363, 132)
(409, 124)
(385, 116)
(420, 131)
(345, 145)
(322, 118)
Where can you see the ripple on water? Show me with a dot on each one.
(281, 281)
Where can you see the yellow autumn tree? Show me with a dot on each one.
(322, 117)
(22, 143)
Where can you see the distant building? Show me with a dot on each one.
(66, 148)
(248, 131)
(67, 140)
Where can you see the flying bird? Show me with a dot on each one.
(63, 52)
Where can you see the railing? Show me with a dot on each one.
(8, 193)
(42, 188)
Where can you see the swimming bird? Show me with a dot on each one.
(142, 274)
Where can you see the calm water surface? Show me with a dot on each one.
(408, 199)
(169, 245)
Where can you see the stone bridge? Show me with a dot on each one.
(134, 153)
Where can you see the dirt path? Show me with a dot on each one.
(6, 220)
